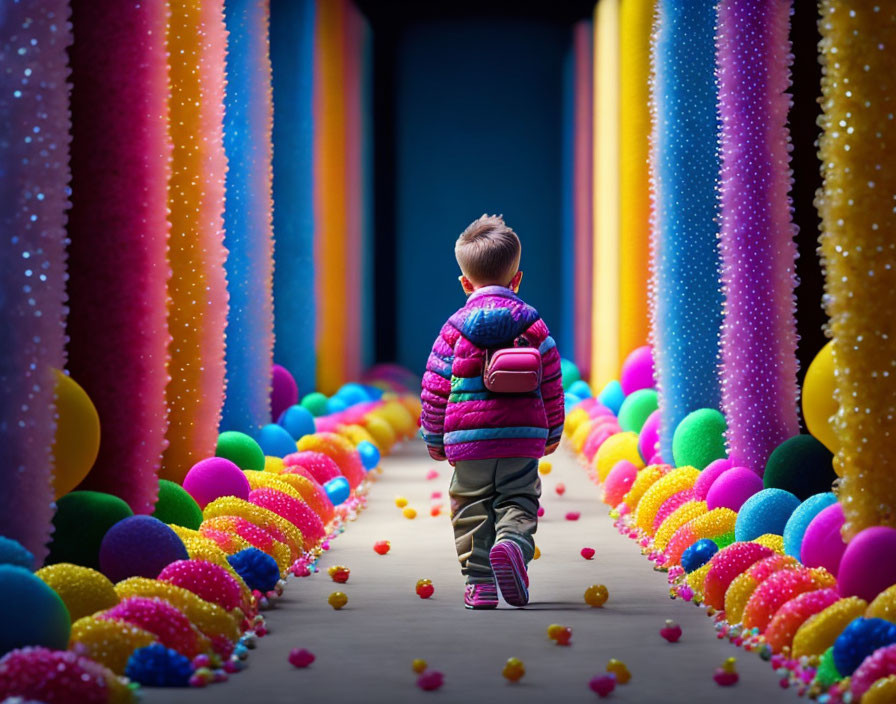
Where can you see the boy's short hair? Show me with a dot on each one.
(488, 251)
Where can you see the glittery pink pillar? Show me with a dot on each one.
(34, 153)
(759, 389)
(119, 232)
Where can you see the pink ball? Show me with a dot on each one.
(597, 437)
(670, 505)
(868, 565)
(649, 437)
(637, 371)
(212, 478)
(881, 663)
(619, 481)
(160, 618)
(284, 391)
(732, 488)
(822, 544)
(710, 473)
(206, 580)
(321, 467)
(598, 409)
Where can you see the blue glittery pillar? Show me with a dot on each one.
(686, 293)
(292, 59)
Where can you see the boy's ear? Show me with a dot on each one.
(515, 281)
(466, 284)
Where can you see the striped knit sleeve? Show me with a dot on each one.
(551, 381)
(437, 387)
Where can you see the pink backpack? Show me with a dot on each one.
(512, 370)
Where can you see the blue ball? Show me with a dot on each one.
(13, 553)
(570, 400)
(258, 569)
(157, 666)
(801, 518)
(30, 612)
(139, 546)
(698, 554)
(335, 405)
(764, 512)
(374, 393)
(298, 421)
(858, 640)
(370, 455)
(352, 394)
(612, 397)
(580, 388)
(275, 440)
(338, 490)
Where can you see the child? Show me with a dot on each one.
(494, 440)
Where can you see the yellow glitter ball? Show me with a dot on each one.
(696, 579)
(884, 605)
(230, 543)
(274, 465)
(881, 692)
(578, 438)
(675, 520)
(399, 417)
(742, 587)
(381, 431)
(110, 643)
(675, 481)
(621, 446)
(357, 434)
(645, 479)
(83, 591)
(714, 523)
(819, 633)
(209, 618)
(772, 542)
(573, 420)
(262, 517)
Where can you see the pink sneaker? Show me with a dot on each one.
(510, 572)
(481, 595)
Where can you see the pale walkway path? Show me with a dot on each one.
(364, 652)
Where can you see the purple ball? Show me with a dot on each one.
(868, 565)
(649, 437)
(822, 544)
(710, 473)
(284, 391)
(139, 546)
(213, 478)
(637, 371)
(732, 488)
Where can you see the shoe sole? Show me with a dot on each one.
(508, 566)
(480, 607)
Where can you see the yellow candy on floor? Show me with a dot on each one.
(400, 501)
(618, 668)
(544, 467)
(337, 600)
(418, 665)
(537, 553)
(514, 669)
(409, 513)
(84, 591)
(110, 643)
(596, 595)
(821, 630)
(730, 665)
(554, 630)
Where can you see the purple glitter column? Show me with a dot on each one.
(34, 175)
(759, 389)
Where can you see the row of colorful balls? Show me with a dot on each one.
(764, 554)
(173, 599)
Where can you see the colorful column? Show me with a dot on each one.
(857, 150)
(197, 314)
(759, 389)
(34, 160)
(248, 226)
(118, 292)
(686, 298)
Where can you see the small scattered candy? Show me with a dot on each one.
(424, 588)
(726, 675)
(409, 513)
(432, 474)
(514, 669)
(339, 574)
(435, 511)
(544, 467)
(619, 670)
(596, 595)
(400, 501)
(540, 511)
(418, 665)
(430, 680)
(587, 553)
(602, 685)
(537, 553)
(337, 600)
(561, 635)
(299, 657)
(381, 547)
(573, 516)
(560, 489)
(671, 631)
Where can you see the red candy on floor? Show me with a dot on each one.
(603, 685)
(588, 553)
(540, 511)
(560, 489)
(299, 657)
(725, 679)
(430, 680)
(573, 516)
(671, 631)
(425, 589)
(381, 547)
(432, 474)
(339, 574)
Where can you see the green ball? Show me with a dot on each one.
(569, 373)
(802, 466)
(699, 438)
(827, 674)
(316, 403)
(240, 449)
(636, 408)
(82, 519)
(176, 506)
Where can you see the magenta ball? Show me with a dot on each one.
(619, 481)
(213, 478)
(822, 545)
(868, 565)
(284, 391)
(710, 473)
(637, 371)
(649, 437)
(732, 488)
